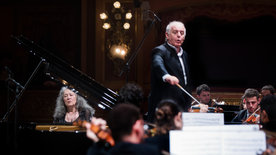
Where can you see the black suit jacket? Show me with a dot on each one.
(240, 117)
(166, 61)
(123, 148)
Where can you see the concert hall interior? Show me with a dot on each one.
(231, 47)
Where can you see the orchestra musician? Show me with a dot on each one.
(267, 90)
(268, 122)
(252, 99)
(127, 129)
(168, 116)
(131, 93)
(203, 93)
(242, 103)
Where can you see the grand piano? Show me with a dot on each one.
(62, 72)
(37, 138)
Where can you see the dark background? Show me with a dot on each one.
(232, 54)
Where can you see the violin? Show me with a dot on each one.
(252, 119)
(210, 109)
(150, 130)
(101, 134)
(215, 102)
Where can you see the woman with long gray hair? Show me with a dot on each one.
(71, 107)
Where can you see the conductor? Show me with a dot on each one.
(169, 67)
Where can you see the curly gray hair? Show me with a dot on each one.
(61, 110)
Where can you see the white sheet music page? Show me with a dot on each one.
(195, 143)
(236, 128)
(217, 142)
(202, 119)
(244, 143)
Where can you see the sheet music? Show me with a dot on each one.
(217, 143)
(244, 143)
(195, 143)
(232, 128)
(202, 119)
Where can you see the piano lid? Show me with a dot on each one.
(68, 75)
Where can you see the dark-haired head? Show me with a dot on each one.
(251, 92)
(203, 87)
(131, 93)
(267, 90)
(268, 115)
(121, 120)
(166, 113)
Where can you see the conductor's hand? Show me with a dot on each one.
(172, 80)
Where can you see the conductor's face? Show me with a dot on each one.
(176, 35)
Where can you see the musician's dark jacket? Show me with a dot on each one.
(240, 117)
(162, 141)
(165, 61)
(123, 148)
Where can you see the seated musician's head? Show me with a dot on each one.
(126, 123)
(251, 99)
(267, 90)
(203, 93)
(131, 93)
(268, 114)
(168, 116)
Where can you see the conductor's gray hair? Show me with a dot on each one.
(169, 26)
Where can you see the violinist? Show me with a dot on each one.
(203, 93)
(251, 99)
(267, 90)
(127, 129)
(168, 116)
(268, 122)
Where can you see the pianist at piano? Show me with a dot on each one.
(71, 107)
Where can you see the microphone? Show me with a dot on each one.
(155, 16)
(16, 83)
(8, 70)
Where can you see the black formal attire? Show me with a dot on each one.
(162, 141)
(84, 115)
(166, 61)
(240, 117)
(124, 148)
